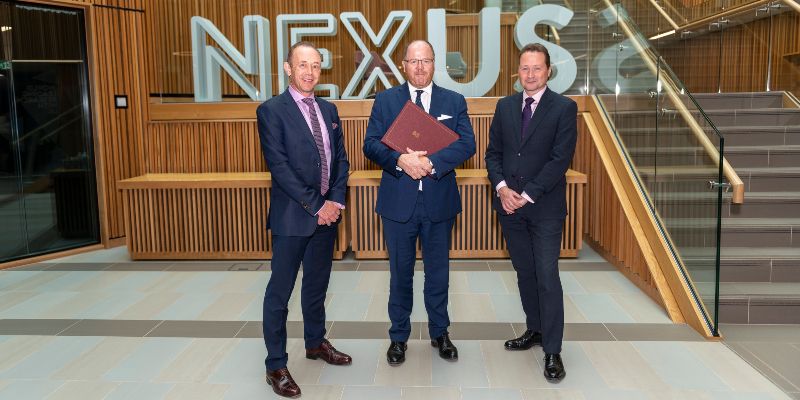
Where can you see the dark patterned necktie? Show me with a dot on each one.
(317, 131)
(526, 114)
(418, 101)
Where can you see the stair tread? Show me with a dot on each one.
(784, 253)
(760, 289)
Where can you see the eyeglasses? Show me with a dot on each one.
(416, 61)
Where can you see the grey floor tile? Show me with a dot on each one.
(679, 367)
(29, 389)
(480, 331)
(469, 266)
(566, 265)
(366, 355)
(760, 333)
(371, 393)
(79, 267)
(34, 326)
(247, 267)
(146, 362)
(359, 330)
(508, 307)
(345, 266)
(782, 358)
(468, 371)
(490, 393)
(200, 266)
(240, 365)
(32, 267)
(197, 329)
(486, 282)
(126, 328)
(50, 358)
(251, 330)
(140, 266)
(587, 332)
(653, 332)
(501, 265)
(431, 393)
(139, 390)
(600, 307)
(373, 266)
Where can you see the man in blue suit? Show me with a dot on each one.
(301, 139)
(418, 198)
(531, 144)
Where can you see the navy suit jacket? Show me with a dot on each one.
(398, 192)
(293, 159)
(537, 161)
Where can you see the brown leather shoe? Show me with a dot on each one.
(329, 354)
(282, 383)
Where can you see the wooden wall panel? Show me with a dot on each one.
(736, 59)
(605, 224)
(476, 232)
(203, 216)
(233, 146)
(117, 38)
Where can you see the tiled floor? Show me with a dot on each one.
(97, 326)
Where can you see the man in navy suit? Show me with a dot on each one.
(418, 198)
(301, 139)
(531, 144)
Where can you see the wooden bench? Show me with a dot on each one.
(476, 233)
(202, 216)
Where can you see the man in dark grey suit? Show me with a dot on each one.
(531, 144)
(301, 138)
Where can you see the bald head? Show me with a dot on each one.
(418, 64)
(419, 43)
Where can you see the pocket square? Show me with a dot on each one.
(443, 117)
(334, 125)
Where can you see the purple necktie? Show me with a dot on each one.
(317, 131)
(526, 114)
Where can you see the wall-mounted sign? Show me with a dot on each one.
(208, 61)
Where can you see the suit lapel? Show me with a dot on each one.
(436, 101)
(516, 118)
(538, 115)
(300, 121)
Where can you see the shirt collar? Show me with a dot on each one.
(413, 90)
(537, 97)
(297, 96)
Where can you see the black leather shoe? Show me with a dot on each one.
(396, 353)
(525, 342)
(447, 349)
(553, 368)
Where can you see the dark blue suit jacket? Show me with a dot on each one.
(292, 157)
(535, 163)
(398, 192)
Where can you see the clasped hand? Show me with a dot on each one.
(415, 164)
(328, 214)
(510, 199)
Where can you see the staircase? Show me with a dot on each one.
(760, 256)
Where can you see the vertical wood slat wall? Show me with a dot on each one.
(605, 226)
(743, 52)
(119, 70)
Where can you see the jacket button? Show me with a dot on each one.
(317, 164)
(519, 154)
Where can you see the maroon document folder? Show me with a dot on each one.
(417, 130)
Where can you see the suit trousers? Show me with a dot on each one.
(401, 241)
(534, 246)
(316, 253)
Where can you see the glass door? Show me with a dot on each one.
(48, 198)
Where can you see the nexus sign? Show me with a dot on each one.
(208, 61)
